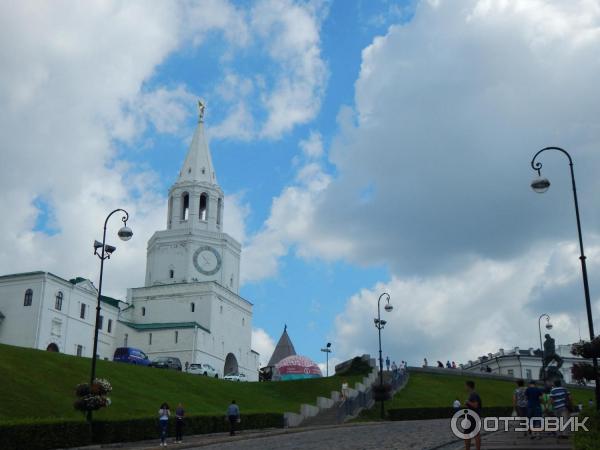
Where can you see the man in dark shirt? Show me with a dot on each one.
(473, 403)
(534, 406)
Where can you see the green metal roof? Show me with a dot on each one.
(111, 301)
(162, 325)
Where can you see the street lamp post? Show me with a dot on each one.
(541, 185)
(548, 327)
(327, 351)
(379, 324)
(106, 250)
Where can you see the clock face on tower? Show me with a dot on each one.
(207, 260)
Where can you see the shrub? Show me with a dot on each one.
(583, 371)
(43, 435)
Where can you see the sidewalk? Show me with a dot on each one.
(203, 440)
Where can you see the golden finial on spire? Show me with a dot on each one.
(201, 108)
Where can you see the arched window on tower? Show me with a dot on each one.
(203, 210)
(192, 307)
(219, 210)
(185, 206)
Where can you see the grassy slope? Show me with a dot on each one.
(429, 390)
(41, 384)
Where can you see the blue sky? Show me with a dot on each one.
(363, 146)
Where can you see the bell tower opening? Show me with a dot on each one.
(203, 210)
(185, 206)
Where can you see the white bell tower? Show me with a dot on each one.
(194, 247)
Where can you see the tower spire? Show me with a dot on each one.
(198, 162)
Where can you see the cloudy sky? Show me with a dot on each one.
(364, 147)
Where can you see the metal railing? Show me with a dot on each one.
(364, 399)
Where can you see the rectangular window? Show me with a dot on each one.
(82, 311)
(100, 322)
(79, 350)
(109, 329)
(528, 372)
(511, 373)
(149, 338)
(176, 336)
(125, 340)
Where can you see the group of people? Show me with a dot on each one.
(537, 403)
(440, 364)
(164, 416)
(531, 402)
(395, 367)
(449, 365)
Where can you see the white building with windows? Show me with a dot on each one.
(525, 364)
(189, 307)
(43, 311)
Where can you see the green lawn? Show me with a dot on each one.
(39, 384)
(431, 390)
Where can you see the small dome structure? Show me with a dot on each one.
(296, 367)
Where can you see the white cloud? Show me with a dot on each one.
(483, 306)
(264, 344)
(287, 90)
(313, 145)
(432, 173)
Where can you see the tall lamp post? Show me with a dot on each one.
(106, 250)
(541, 185)
(327, 351)
(379, 324)
(548, 327)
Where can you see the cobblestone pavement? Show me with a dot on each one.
(417, 435)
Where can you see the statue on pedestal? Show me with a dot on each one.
(547, 372)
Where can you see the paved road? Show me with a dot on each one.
(417, 435)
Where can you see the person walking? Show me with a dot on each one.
(474, 404)
(561, 401)
(425, 363)
(394, 369)
(520, 399)
(179, 416)
(534, 407)
(163, 419)
(233, 414)
(345, 390)
(387, 363)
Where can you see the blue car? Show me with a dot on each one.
(131, 356)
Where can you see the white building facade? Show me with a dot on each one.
(189, 307)
(525, 364)
(43, 311)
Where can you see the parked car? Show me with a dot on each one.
(131, 355)
(235, 377)
(203, 369)
(166, 362)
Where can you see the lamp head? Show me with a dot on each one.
(540, 185)
(329, 345)
(109, 249)
(125, 233)
(382, 323)
(549, 326)
(388, 307)
(97, 245)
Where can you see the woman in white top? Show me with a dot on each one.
(163, 418)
